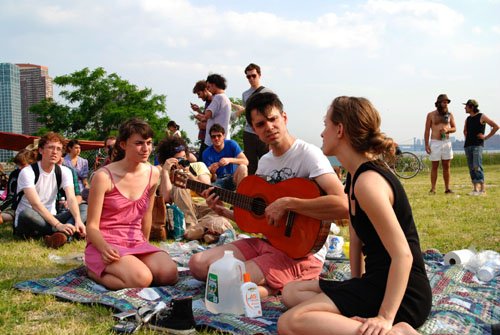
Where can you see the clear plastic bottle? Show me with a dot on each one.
(224, 279)
(490, 267)
(335, 244)
(61, 205)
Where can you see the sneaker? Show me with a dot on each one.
(55, 240)
(175, 319)
(448, 191)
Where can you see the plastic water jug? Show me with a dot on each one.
(224, 279)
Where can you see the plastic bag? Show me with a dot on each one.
(176, 222)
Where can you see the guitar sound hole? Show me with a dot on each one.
(258, 206)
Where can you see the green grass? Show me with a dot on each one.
(445, 222)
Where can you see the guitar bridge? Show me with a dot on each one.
(289, 223)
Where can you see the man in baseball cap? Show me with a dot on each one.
(475, 125)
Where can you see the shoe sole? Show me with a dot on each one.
(172, 331)
(56, 240)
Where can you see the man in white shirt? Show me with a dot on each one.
(36, 213)
(219, 110)
(289, 157)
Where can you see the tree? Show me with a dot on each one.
(97, 104)
(238, 125)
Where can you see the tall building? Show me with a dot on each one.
(36, 85)
(10, 104)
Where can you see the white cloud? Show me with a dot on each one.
(496, 29)
(426, 16)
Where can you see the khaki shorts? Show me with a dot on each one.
(440, 150)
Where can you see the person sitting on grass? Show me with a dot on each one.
(22, 159)
(80, 165)
(225, 160)
(121, 197)
(269, 267)
(201, 221)
(393, 295)
(36, 213)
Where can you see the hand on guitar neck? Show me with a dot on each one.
(295, 234)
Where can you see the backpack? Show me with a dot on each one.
(18, 196)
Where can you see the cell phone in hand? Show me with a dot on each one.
(126, 327)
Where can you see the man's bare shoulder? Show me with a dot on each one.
(432, 116)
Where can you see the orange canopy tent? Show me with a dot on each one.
(16, 142)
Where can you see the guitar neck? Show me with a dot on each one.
(233, 198)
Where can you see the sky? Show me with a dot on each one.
(399, 54)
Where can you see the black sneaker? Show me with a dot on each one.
(175, 319)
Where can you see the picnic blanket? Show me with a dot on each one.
(461, 303)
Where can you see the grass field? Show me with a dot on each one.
(445, 222)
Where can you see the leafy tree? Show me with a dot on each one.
(238, 125)
(97, 104)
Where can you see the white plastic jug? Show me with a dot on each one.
(222, 293)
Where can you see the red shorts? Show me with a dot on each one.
(277, 267)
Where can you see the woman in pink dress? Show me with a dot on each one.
(118, 254)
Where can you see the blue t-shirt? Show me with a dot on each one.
(231, 149)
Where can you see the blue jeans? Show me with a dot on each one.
(83, 213)
(225, 182)
(474, 156)
(32, 224)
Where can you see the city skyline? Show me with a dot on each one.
(10, 103)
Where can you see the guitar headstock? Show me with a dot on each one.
(180, 178)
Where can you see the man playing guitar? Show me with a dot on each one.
(288, 157)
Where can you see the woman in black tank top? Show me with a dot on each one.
(389, 290)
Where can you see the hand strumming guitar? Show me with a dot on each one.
(214, 202)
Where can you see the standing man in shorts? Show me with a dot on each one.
(439, 124)
(288, 157)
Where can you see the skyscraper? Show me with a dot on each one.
(10, 104)
(36, 85)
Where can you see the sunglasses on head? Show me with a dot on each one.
(251, 76)
(216, 136)
(179, 148)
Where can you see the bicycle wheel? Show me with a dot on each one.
(407, 165)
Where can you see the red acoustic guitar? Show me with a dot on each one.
(297, 235)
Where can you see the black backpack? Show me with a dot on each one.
(18, 196)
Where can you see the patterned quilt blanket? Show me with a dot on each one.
(461, 303)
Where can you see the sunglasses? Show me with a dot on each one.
(251, 76)
(179, 148)
(216, 136)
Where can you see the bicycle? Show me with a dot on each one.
(406, 164)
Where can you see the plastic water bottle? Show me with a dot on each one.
(490, 267)
(335, 244)
(73, 259)
(61, 205)
(224, 279)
